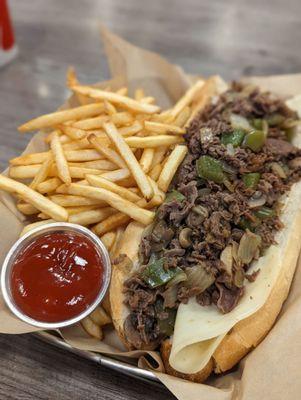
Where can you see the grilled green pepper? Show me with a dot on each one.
(264, 213)
(245, 224)
(261, 125)
(174, 195)
(155, 275)
(166, 325)
(235, 138)
(251, 180)
(211, 169)
(254, 140)
(275, 119)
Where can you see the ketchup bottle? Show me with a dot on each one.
(8, 49)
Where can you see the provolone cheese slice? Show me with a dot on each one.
(199, 330)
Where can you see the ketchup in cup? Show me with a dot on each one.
(56, 275)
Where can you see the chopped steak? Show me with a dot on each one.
(221, 214)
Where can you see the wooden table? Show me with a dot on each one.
(232, 38)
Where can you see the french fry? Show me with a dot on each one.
(155, 172)
(120, 119)
(71, 200)
(83, 155)
(146, 159)
(29, 227)
(80, 172)
(99, 181)
(115, 221)
(187, 98)
(27, 209)
(42, 203)
(63, 138)
(208, 90)
(79, 209)
(49, 185)
(161, 129)
(111, 223)
(77, 145)
(108, 239)
(91, 123)
(159, 155)
(127, 182)
(42, 173)
(24, 172)
(182, 117)
(109, 108)
(99, 316)
(115, 248)
(173, 162)
(110, 154)
(104, 165)
(71, 78)
(60, 160)
(91, 328)
(115, 201)
(59, 117)
(115, 176)
(148, 100)
(29, 159)
(91, 216)
(116, 98)
(122, 91)
(71, 155)
(159, 195)
(131, 130)
(153, 141)
(73, 133)
(43, 216)
(130, 160)
(139, 94)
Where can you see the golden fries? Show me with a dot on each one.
(73, 133)
(187, 98)
(60, 159)
(130, 160)
(100, 317)
(99, 181)
(147, 159)
(174, 160)
(110, 154)
(152, 141)
(111, 223)
(131, 209)
(75, 201)
(91, 216)
(58, 117)
(108, 239)
(27, 209)
(115, 98)
(91, 328)
(42, 173)
(43, 204)
(161, 128)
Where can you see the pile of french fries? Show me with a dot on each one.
(110, 160)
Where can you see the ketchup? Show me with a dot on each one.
(57, 276)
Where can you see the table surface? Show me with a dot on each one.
(232, 38)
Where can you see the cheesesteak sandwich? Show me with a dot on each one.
(205, 282)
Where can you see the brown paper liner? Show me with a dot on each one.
(272, 370)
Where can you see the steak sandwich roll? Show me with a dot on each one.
(205, 282)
